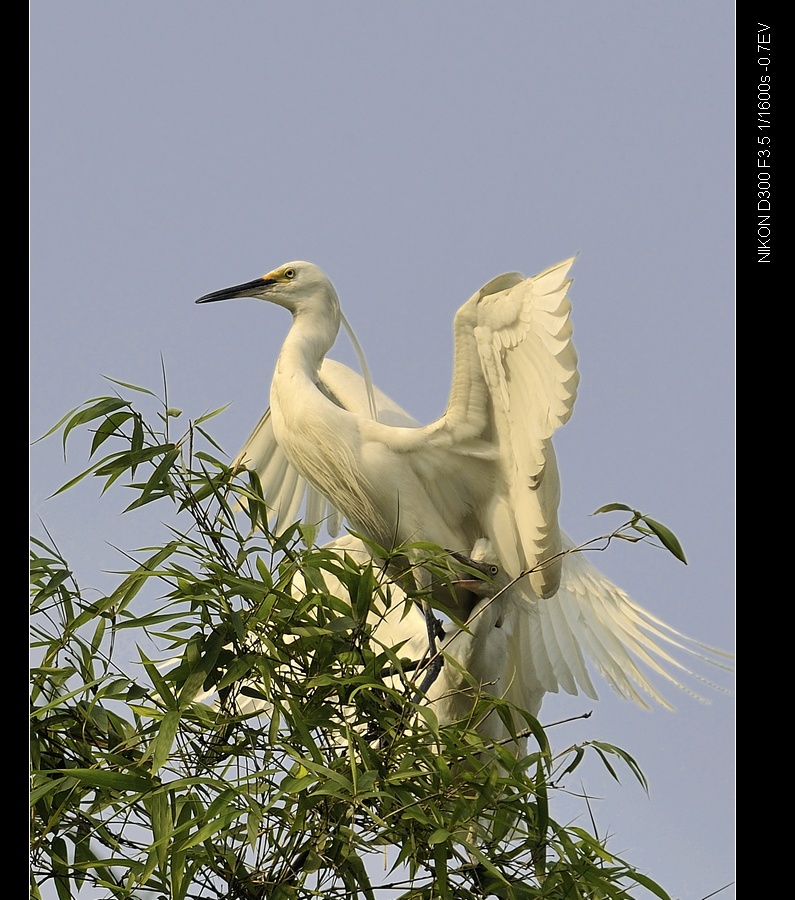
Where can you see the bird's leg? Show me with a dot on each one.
(435, 659)
(434, 630)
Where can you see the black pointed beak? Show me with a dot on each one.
(249, 289)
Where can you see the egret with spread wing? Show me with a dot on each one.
(486, 468)
(483, 474)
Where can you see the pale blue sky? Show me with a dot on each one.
(414, 151)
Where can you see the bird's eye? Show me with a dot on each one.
(493, 570)
(289, 273)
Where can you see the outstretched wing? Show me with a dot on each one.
(553, 645)
(286, 492)
(514, 384)
(591, 620)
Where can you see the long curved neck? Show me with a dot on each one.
(308, 341)
(311, 336)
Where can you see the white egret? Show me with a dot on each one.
(483, 472)
(486, 468)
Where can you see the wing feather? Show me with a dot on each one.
(287, 492)
(514, 383)
(523, 339)
(592, 618)
(557, 657)
(291, 493)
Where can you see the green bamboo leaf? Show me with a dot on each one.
(208, 437)
(71, 414)
(668, 539)
(102, 408)
(137, 439)
(292, 785)
(158, 481)
(161, 685)
(439, 836)
(579, 753)
(253, 826)
(355, 874)
(60, 422)
(51, 587)
(205, 665)
(542, 809)
(110, 427)
(132, 387)
(149, 568)
(61, 699)
(606, 762)
(89, 471)
(211, 414)
(103, 778)
(540, 735)
(308, 534)
(207, 457)
(441, 874)
(650, 885)
(159, 809)
(161, 747)
(630, 762)
(60, 864)
(131, 459)
(614, 507)
(99, 633)
(210, 828)
(147, 621)
(47, 786)
(239, 669)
